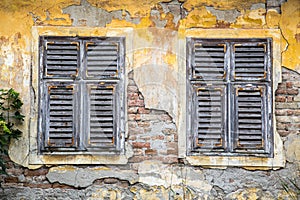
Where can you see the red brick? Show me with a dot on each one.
(43, 186)
(281, 91)
(280, 99)
(37, 172)
(142, 110)
(144, 124)
(151, 152)
(158, 137)
(292, 91)
(63, 186)
(11, 179)
(289, 99)
(15, 171)
(141, 145)
(289, 84)
(134, 117)
(137, 159)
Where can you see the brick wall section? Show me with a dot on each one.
(152, 133)
(287, 107)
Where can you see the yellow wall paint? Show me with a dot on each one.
(290, 27)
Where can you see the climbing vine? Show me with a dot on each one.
(10, 116)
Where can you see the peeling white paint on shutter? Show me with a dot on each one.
(250, 123)
(250, 61)
(60, 115)
(210, 118)
(208, 61)
(102, 127)
(102, 59)
(61, 59)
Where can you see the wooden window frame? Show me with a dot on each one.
(83, 82)
(229, 81)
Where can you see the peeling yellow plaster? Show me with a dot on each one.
(200, 18)
(135, 7)
(272, 19)
(290, 27)
(251, 19)
(221, 5)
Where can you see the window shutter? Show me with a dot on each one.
(208, 61)
(250, 124)
(102, 117)
(250, 61)
(61, 58)
(210, 118)
(103, 59)
(60, 115)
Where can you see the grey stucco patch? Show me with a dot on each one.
(84, 177)
(224, 15)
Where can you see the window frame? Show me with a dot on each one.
(80, 81)
(36, 158)
(226, 81)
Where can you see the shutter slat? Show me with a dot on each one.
(60, 126)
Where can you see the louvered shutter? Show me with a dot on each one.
(210, 109)
(208, 61)
(102, 119)
(251, 118)
(59, 121)
(61, 58)
(103, 58)
(250, 61)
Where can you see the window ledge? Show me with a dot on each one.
(249, 162)
(54, 159)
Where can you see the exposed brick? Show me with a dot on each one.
(151, 152)
(11, 179)
(137, 159)
(42, 185)
(62, 186)
(37, 172)
(134, 117)
(280, 98)
(158, 137)
(144, 124)
(15, 171)
(292, 91)
(289, 84)
(132, 88)
(132, 110)
(141, 145)
(143, 110)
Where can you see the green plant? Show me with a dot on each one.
(10, 106)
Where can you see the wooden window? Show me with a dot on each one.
(81, 95)
(229, 97)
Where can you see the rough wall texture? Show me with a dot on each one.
(154, 171)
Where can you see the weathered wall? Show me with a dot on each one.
(154, 171)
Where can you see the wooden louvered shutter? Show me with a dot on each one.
(209, 123)
(103, 58)
(250, 119)
(208, 61)
(250, 61)
(61, 58)
(102, 117)
(59, 121)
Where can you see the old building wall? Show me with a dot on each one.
(154, 171)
